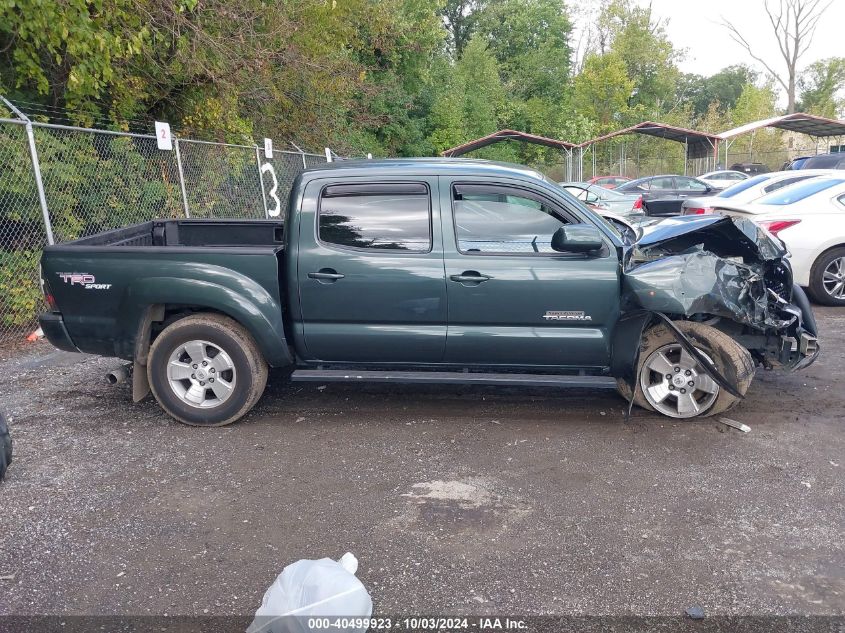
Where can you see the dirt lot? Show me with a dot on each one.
(455, 500)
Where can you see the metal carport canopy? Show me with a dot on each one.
(808, 124)
(506, 135)
(698, 144)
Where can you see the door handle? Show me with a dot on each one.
(326, 274)
(470, 276)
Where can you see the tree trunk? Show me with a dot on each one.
(790, 94)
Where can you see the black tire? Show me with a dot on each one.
(817, 290)
(732, 360)
(5, 447)
(250, 369)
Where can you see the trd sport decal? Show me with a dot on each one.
(89, 282)
(566, 315)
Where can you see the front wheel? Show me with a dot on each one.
(670, 381)
(206, 370)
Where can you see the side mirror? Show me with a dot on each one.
(577, 238)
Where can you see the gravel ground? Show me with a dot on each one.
(455, 500)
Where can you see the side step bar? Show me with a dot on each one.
(453, 377)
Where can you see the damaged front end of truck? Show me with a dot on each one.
(726, 272)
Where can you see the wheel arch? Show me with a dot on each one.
(151, 300)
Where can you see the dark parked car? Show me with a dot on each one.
(664, 195)
(750, 168)
(795, 163)
(825, 161)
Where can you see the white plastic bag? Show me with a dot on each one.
(314, 588)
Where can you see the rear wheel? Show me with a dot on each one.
(672, 382)
(827, 278)
(206, 370)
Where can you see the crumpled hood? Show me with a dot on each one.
(711, 266)
(714, 227)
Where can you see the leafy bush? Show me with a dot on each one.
(20, 292)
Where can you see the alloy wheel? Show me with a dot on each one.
(675, 384)
(201, 374)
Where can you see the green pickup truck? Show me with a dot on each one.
(431, 271)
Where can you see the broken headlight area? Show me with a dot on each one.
(721, 268)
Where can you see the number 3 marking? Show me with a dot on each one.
(277, 210)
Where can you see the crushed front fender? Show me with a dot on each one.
(723, 268)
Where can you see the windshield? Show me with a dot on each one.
(739, 187)
(788, 195)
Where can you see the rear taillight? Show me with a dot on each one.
(638, 204)
(776, 226)
(698, 210)
(47, 291)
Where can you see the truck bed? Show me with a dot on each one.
(103, 286)
(190, 233)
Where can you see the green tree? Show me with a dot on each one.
(641, 42)
(602, 90)
(755, 103)
(530, 40)
(469, 107)
(460, 17)
(822, 85)
(724, 88)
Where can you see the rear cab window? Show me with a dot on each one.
(378, 217)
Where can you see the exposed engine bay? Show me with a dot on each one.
(729, 273)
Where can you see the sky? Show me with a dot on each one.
(710, 48)
(694, 25)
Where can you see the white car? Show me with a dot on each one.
(722, 178)
(748, 190)
(809, 217)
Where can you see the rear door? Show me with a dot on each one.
(512, 299)
(370, 271)
(662, 199)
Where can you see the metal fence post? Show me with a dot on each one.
(302, 153)
(261, 182)
(36, 168)
(181, 176)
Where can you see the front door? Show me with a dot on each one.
(512, 299)
(370, 271)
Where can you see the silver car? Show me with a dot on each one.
(600, 199)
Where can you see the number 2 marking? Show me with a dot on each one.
(277, 210)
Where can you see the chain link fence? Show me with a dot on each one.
(95, 180)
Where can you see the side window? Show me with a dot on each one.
(688, 184)
(666, 182)
(501, 220)
(376, 216)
